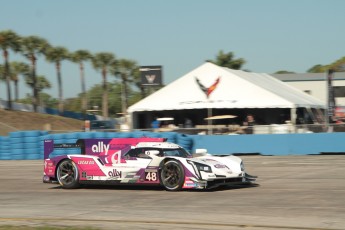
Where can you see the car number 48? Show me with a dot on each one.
(151, 176)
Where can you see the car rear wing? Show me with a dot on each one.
(98, 146)
(49, 146)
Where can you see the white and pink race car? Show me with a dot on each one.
(141, 161)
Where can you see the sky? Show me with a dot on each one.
(271, 35)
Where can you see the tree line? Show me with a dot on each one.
(121, 95)
(32, 47)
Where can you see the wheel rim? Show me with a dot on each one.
(67, 173)
(171, 176)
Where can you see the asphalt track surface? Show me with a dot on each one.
(294, 192)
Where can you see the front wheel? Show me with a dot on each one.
(172, 175)
(67, 174)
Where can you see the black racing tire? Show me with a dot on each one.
(172, 175)
(67, 174)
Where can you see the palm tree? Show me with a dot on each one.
(103, 61)
(18, 68)
(56, 55)
(2, 73)
(125, 70)
(79, 57)
(228, 60)
(41, 83)
(337, 66)
(138, 83)
(9, 40)
(33, 46)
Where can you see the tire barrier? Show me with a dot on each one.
(29, 145)
(185, 141)
(16, 146)
(20, 146)
(170, 136)
(5, 153)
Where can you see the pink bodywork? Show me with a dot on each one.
(108, 153)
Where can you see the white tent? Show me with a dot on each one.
(235, 89)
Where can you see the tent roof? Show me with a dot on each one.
(235, 89)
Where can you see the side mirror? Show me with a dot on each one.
(152, 152)
(200, 151)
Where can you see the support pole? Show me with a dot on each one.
(293, 117)
(209, 121)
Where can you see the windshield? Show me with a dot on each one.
(140, 152)
(176, 153)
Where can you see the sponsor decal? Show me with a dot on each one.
(100, 147)
(86, 162)
(209, 160)
(115, 173)
(126, 166)
(116, 158)
(151, 167)
(189, 183)
(151, 170)
(48, 164)
(208, 101)
(221, 166)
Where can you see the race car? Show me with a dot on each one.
(141, 161)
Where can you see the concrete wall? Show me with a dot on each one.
(272, 144)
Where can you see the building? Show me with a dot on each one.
(315, 84)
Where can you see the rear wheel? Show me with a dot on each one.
(67, 174)
(172, 175)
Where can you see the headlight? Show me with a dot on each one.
(200, 167)
(242, 166)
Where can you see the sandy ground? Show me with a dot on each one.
(294, 192)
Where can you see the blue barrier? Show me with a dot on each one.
(272, 144)
(29, 144)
